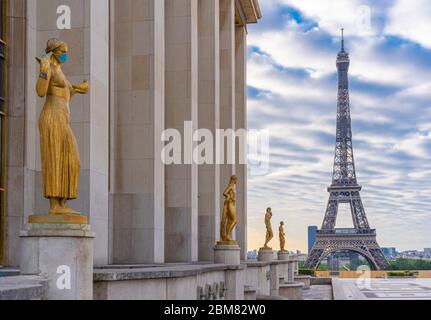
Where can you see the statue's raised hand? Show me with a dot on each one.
(45, 63)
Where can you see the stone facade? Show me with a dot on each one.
(152, 65)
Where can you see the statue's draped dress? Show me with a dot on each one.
(282, 237)
(59, 149)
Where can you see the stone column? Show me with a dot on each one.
(209, 119)
(291, 271)
(181, 236)
(275, 278)
(19, 184)
(227, 86)
(137, 201)
(297, 266)
(95, 121)
(241, 146)
(284, 268)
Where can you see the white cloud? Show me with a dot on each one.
(371, 62)
(332, 15)
(293, 49)
(415, 145)
(410, 19)
(263, 75)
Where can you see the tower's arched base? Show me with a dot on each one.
(363, 242)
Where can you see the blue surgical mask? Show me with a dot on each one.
(63, 57)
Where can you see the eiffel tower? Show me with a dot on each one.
(345, 189)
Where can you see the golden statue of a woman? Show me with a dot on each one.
(269, 233)
(58, 146)
(229, 219)
(282, 236)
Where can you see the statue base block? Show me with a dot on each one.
(58, 219)
(265, 255)
(63, 254)
(227, 254)
(283, 255)
(227, 243)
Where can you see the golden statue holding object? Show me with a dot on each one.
(269, 233)
(282, 236)
(58, 146)
(229, 218)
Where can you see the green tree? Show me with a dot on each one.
(409, 264)
(323, 267)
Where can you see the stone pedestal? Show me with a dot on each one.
(227, 254)
(291, 272)
(265, 255)
(250, 293)
(296, 267)
(275, 279)
(283, 255)
(283, 272)
(292, 291)
(63, 254)
(306, 280)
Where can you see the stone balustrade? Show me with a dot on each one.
(250, 280)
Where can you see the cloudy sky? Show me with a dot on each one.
(292, 92)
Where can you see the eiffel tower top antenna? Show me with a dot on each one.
(342, 39)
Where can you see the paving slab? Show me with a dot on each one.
(318, 292)
(382, 289)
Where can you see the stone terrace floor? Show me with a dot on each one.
(382, 289)
(318, 292)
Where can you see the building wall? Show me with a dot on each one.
(151, 65)
(312, 231)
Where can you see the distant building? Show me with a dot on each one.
(427, 251)
(389, 252)
(252, 255)
(312, 231)
(301, 256)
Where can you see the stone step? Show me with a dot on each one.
(270, 298)
(22, 288)
(9, 272)
(250, 293)
(292, 291)
(306, 280)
